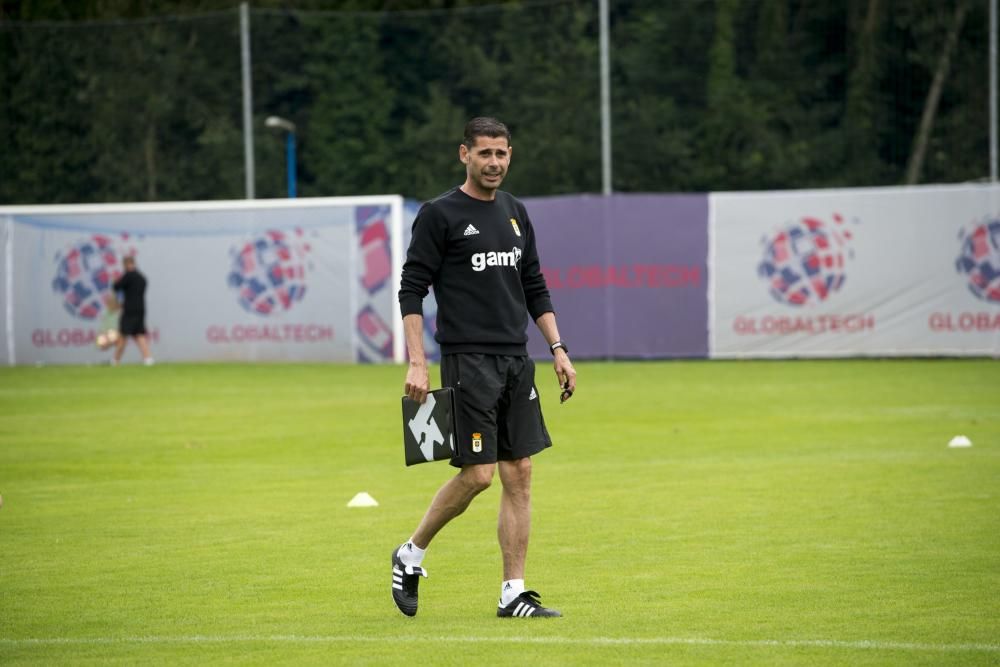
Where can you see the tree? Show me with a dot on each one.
(131, 100)
(921, 140)
(347, 138)
(656, 104)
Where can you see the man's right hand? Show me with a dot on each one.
(418, 382)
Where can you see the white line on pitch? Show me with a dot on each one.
(586, 641)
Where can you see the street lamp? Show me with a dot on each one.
(288, 126)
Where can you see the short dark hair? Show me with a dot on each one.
(484, 126)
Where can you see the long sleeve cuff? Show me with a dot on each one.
(411, 305)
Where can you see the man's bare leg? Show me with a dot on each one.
(514, 520)
(119, 349)
(451, 500)
(513, 528)
(143, 344)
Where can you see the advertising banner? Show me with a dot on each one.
(886, 271)
(863, 272)
(627, 273)
(305, 280)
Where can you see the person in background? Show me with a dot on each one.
(132, 286)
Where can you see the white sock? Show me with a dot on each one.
(411, 554)
(510, 590)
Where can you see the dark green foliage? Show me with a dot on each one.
(135, 100)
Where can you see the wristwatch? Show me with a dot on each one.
(556, 345)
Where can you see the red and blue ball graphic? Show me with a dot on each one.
(804, 263)
(269, 272)
(979, 261)
(84, 275)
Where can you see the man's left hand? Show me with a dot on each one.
(565, 373)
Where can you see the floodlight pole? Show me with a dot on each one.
(247, 99)
(288, 126)
(605, 99)
(290, 160)
(993, 91)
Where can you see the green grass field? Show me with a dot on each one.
(803, 512)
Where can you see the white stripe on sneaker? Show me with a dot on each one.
(517, 610)
(531, 611)
(398, 587)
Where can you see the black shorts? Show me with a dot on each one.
(498, 411)
(132, 324)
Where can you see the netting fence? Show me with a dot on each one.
(705, 95)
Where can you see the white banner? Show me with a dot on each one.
(281, 280)
(887, 271)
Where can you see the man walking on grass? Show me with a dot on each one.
(476, 246)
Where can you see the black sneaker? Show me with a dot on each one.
(526, 604)
(405, 579)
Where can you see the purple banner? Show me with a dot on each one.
(628, 273)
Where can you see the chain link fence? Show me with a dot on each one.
(706, 95)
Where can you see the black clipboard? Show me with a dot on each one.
(429, 428)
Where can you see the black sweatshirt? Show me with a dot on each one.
(133, 284)
(481, 259)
